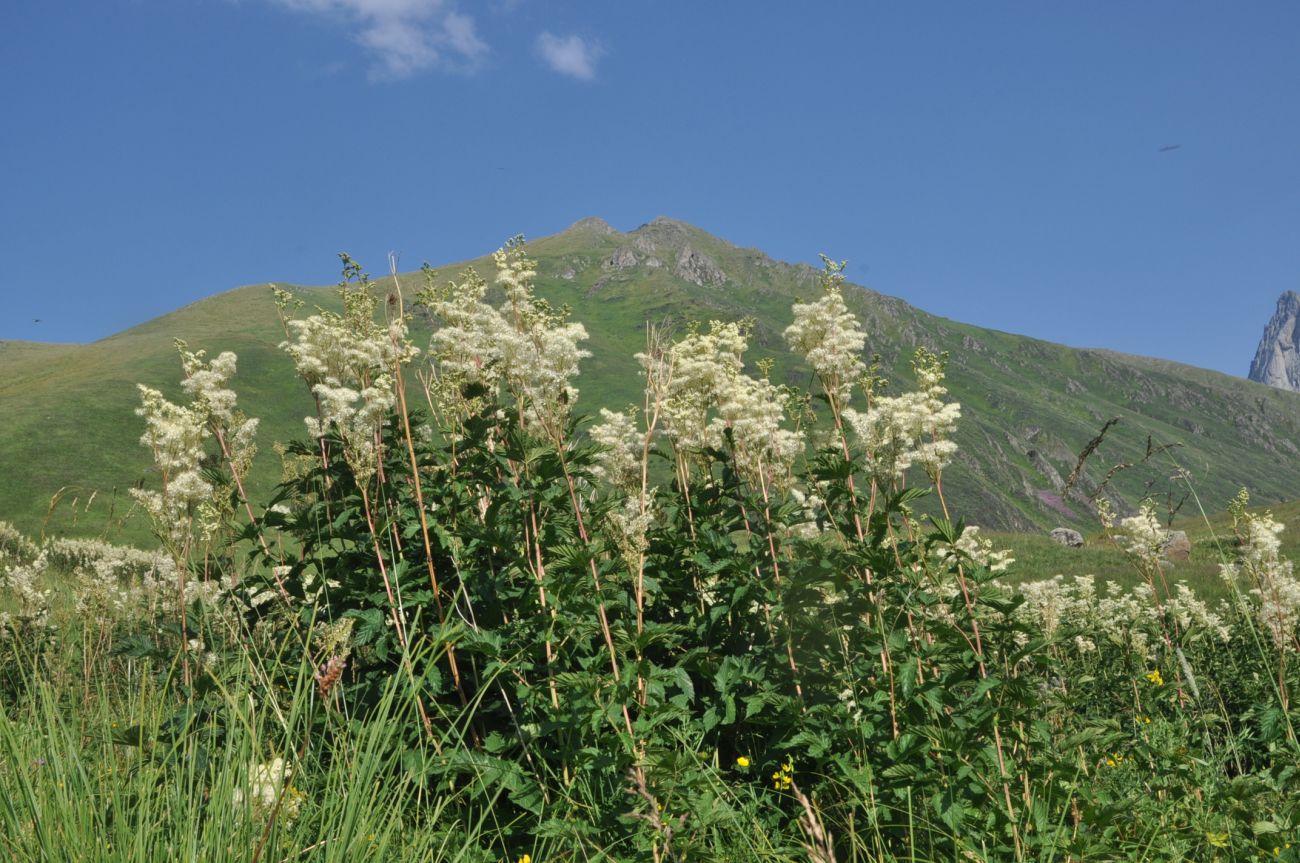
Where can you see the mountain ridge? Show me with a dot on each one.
(67, 428)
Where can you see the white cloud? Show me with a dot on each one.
(404, 36)
(569, 55)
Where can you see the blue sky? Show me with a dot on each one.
(999, 163)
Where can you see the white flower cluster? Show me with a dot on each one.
(1269, 578)
(525, 346)
(628, 526)
(812, 508)
(1127, 618)
(971, 546)
(14, 545)
(703, 367)
(1143, 537)
(176, 436)
(708, 394)
(113, 582)
(27, 601)
(106, 583)
(911, 429)
(619, 460)
(829, 337)
(348, 361)
(263, 789)
(208, 387)
(207, 382)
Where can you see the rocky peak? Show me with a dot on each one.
(1277, 360)
(591, 225)
(662, 232)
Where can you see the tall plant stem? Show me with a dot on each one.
(595, 579)
(419, 489)
(394, 605)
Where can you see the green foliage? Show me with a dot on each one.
(462, 636)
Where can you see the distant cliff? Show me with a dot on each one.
(1277, 360)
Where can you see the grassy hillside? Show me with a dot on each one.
(1213, 543)
(67, 428)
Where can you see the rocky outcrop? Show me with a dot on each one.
(698, 267)
(622, 259)
(1277, 361)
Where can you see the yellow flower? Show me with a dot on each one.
(742, 761)
(783, 778)
(527, 858)
(1156, 678)
(1218, 840)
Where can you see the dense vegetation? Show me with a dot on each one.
(1030, 405)
(715, 627)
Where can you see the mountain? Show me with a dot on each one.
(67, 430)
(1277, 360)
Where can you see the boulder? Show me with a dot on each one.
(1067, 537)
(1177, 546)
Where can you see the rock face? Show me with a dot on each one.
(1067, 537)
(698, 267)
(1277, 361)
(622, 259)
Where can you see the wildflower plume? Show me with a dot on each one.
(914, 428)
(525, 346)
(1269, 578)
(828, 335)
(348, 361)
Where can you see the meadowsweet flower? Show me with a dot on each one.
(1143, 537)
(710, 399)
(1268, 578)
(263, 789)
(629, 525)
(206, 382)
(911, 429)
(29, 604)
(1117, 616)
(828, 335)
(619, 460)
(348, 361)
(704, 365)
(525, 346)
(971, 546)
(14, 545)
(176, 436)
